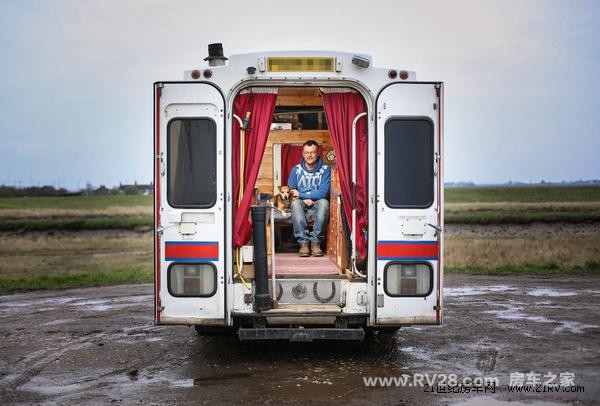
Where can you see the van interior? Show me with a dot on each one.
(299, 116)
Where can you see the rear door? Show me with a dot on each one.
(189, 204)
(409, 197)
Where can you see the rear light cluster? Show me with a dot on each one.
(408, 279)
(192, 280)
(207, 73)
(394, 74)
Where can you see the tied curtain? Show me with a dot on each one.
(260, 102)
(341, 107)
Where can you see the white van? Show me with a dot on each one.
(225, 139)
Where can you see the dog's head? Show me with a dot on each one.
(284, 191)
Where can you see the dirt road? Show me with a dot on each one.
(99, 346)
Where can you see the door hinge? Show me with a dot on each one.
(380, 300)
(437, 90)
(437, 305)
(160, 308)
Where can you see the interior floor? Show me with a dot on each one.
(287, 264)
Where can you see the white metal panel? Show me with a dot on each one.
(277, 181)
(200, 227)
(402, 232)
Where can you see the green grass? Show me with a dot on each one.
(101, 223)
(140, 274)
(75, 202)
(515, 217)
(523, 194)
(30, 262)
(589, 268)
(452, 195)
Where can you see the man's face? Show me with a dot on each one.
(309, 153)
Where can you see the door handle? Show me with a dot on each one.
(438, 229)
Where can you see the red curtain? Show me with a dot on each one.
(340, 110)
(261, 106)
(291, 155)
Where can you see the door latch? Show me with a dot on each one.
(161, 159)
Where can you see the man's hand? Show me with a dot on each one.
(295, 193)
(308, 202)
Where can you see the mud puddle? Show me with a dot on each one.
(90, 346)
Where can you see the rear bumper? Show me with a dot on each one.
(301, 334)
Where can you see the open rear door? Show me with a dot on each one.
(189, 204)
(409, 204)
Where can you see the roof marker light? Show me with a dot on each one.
(207, 73)
(392, 74)
(195, 74)
(361, 61)
(403, 75)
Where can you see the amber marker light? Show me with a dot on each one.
(392, 74)
(207, 74)
(403, 75)
(195, 74)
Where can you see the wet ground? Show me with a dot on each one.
(99, 346)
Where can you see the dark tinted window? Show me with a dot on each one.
(409, 163)
(192, 160)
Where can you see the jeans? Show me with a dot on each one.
(320, 209)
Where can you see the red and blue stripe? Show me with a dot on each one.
(407, 250)
(191, 251)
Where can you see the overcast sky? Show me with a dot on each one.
(522, 89)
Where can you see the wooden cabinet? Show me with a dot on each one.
(336, 235)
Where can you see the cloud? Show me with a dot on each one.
(521, 88)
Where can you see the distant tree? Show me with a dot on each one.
(102, 190)
(89, 189)
(7, 191)
(130, 190)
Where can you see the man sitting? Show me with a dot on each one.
(310, 181)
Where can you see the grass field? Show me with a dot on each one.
(76, 213)
(497, 251)
(521, 212)
(40, 261)
(59, 242)
(487, 205)
(531, 194)
(75, 202)
(490, 194)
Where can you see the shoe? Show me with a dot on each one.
(315, 247)
(304, 250)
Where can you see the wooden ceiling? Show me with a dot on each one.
(299, 96)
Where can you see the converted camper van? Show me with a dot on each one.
(226, 137)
